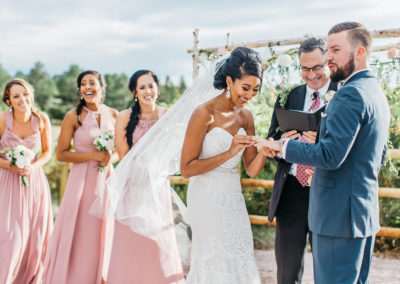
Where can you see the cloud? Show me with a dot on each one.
(121, 36)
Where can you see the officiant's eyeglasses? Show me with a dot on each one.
(315, 68)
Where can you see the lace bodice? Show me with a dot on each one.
(217, 141)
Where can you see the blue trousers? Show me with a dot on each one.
(341, 260)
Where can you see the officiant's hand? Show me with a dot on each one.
(310, 136)
(292, 134)
(239, 142)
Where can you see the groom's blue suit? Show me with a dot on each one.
(343, 211)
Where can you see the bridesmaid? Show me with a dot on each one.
(135, 258)
(26, 219)
(79, 247)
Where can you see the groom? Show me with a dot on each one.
(290, 195)
(343, 210)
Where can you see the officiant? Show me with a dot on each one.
(290, 194)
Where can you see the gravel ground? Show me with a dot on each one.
(382, 270)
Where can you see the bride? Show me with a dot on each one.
(139, 196)
(219, 132)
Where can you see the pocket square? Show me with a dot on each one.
(323, 114)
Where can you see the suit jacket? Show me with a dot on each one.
(295, 101)
(348, 156)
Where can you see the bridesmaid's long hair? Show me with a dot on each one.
(136, 111)
(81, 101)
(29, 88)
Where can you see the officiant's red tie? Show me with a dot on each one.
(301, 174)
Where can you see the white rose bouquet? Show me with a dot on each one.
(105, 142)
(20, 156)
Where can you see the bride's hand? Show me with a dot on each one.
(239, 142)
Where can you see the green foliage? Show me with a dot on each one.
(67, 92)
(45, 88)
(58, 94)
(169, 93)
(118, 95)
(53, 172)
(4, 78)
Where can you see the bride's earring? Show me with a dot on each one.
(135, 98)
(228, 93)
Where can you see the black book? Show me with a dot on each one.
(298, 120)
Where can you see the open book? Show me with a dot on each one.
(298, 120)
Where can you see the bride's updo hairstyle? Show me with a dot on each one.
(135, 109)
(242, 61)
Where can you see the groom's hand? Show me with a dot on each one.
(270, 144)
(268, 152)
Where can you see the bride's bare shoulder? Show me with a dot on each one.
(203, 113)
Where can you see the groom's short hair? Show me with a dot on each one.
(311, 44)
(357, 34)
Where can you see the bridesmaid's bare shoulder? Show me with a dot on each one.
(3, 116)
(71, 115)
(46, 120)
(71, 119)
(44, 116)
(123, 116)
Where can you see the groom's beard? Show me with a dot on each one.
(343, 72)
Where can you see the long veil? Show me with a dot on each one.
(138, 194)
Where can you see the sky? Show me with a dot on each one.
(123, 36)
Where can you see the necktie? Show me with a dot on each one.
(301, 174)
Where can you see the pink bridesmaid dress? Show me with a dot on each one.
(26, 219)
(135, 259)
(80, 245)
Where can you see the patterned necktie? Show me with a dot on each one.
(301, 174)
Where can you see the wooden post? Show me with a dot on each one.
(228, 42)
(196, 54)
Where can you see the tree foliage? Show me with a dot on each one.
(57, 94)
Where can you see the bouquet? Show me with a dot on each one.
(20, 156)
(105, 142)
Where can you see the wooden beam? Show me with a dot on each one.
(389, 33)
(394, 153)
(247, 182)
(384, 232)
(261, 220)
(389, 232)
(389, 192)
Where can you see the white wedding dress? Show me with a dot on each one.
(222, 249)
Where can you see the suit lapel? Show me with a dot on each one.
(332, 86)
(361, 74)
(297, 98)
